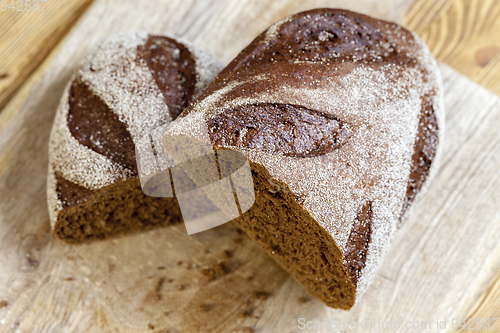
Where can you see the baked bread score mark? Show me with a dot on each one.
(357, 245)
(172, 67)
(424, 153)
(71, 194)
(288, 130)
(95, 126)
(331, 37)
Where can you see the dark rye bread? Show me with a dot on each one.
(129, 85)
(340, 116)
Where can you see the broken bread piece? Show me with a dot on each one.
(341, 117)
(129, 85)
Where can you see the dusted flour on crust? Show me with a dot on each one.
(130, 84)
(341, 117)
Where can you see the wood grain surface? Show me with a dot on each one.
(27, 37)
(123, 285)
(465, 34)
(487, 304)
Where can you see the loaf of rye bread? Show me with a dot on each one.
(341, 117)
(129, 85)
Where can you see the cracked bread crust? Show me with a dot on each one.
(284, 101)
(126, 87)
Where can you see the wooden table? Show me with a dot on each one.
(465, 34)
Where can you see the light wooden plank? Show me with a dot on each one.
(26, 37)
(464, 34)
(112, 286)
(487, 305)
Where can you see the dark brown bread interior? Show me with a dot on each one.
(120, 208)
(292, 237)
